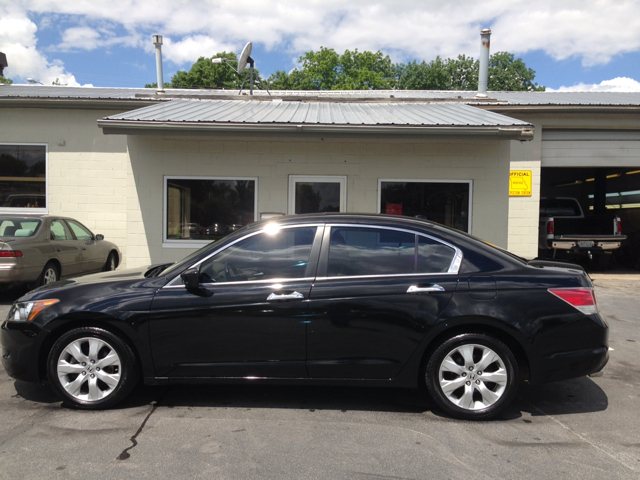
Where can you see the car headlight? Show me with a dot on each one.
(27, 311)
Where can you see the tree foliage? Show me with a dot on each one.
(205, 74)
(354, 70)
(8, 81)
(326, 69)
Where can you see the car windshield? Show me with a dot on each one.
(19, 227)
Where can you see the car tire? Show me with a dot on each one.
(472, 376)
(91, 368)
(112, 262)
(50, 274)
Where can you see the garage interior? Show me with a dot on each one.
(600, 190)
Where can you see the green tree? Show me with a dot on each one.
(505, 73)
(8, 81)
(205, 74)
(327, 70)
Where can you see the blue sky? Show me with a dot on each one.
(572, 45)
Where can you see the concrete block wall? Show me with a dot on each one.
(87, 170)
(524, 211)
(483, 161)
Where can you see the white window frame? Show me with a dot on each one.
(434, 180)
(293, 179)
(173, 243)
(33, 211)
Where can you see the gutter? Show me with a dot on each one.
(76, 103)
(137, 127)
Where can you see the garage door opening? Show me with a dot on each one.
(601, 191)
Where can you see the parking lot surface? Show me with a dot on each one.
(580, 429)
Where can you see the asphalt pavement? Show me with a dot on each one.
(580, 429)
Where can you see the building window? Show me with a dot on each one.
(23, 178)
(204, 209)
(317, 194)
(447, 202)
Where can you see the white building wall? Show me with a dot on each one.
(87, 170)
(363, 161)
(524, 212)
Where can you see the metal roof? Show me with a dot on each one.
(318, 113)
(147, 94)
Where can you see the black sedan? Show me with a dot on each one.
(333, 299)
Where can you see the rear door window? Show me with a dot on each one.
(361, 251)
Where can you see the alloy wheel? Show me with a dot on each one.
(89, 369)
(50, 276)
(473, 377)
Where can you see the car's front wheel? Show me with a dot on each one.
(92, 368)
(472, 376)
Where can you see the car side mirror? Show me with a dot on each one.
(191, 277)
(99, 237)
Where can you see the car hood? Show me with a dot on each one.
(129, 274)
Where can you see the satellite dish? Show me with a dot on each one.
(244, 57)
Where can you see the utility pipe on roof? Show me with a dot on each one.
(157, 41)
(483, 75)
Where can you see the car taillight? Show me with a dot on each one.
(550, 227)
(10, 253)
(581, 298)
(617, 226)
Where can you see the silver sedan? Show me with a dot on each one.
(42, 249)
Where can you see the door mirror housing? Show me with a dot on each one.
(191, 277)
(99, 237)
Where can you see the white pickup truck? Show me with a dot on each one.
(565, 232)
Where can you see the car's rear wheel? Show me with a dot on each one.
(92, 368)
(472, 376)
(112, 262)
(50, 274)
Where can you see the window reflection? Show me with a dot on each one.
(208, 209)
(262, 257)
(442, 202)
(23, 176)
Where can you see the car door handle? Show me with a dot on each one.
(429, 288)
(285, 296)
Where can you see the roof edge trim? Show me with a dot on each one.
(520, 132)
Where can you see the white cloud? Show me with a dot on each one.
(619, 84)
(591, 30)
(80, 37)
(191, 48)
(18, 41)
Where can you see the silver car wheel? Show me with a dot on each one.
(89, 369)
(472, 377)
(112, 262)
(50, 275)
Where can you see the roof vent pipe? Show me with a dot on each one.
(157, 41)
(483, 75)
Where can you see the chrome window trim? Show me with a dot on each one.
(454, 267)
(394, 275)
(262, 230)
(274, 281)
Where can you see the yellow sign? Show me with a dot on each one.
(520, 183)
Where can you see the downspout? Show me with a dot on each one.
(157, 41)
(483, 75)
